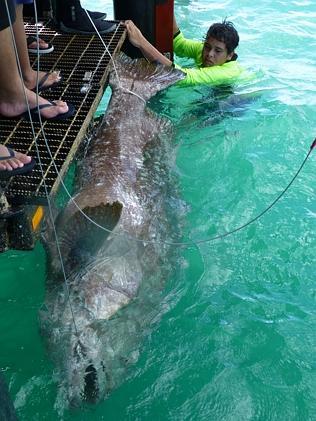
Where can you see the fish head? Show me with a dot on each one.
(85, 378)
(79, 335)
(104, 347)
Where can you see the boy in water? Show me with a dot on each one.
(215, 58)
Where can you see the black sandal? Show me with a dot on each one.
(27, 168)
(30, 39)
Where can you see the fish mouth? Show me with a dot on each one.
(91, 388)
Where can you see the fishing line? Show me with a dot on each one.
(239, 228)
(45, 185)
(36, 145)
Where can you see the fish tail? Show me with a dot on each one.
(142, 77)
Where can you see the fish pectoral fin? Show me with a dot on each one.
(86, 231)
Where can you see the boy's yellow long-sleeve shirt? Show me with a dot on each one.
(215, 75)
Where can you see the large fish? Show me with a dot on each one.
(93, 322)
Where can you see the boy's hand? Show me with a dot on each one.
(137, 39)
(134, 34)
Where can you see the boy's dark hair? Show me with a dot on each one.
(224, 32)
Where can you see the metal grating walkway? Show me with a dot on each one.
(74, 56)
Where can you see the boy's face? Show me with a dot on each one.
(215, 53)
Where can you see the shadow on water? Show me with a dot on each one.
(7, 412)
(223, 103)
(201, 107)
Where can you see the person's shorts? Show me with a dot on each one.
(4, 19)
(23, 1)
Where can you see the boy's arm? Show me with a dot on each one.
(183, 47)
(138, 40)
(213, 76)
(175, 26)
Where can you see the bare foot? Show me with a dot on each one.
(15, 107)
(10, 163)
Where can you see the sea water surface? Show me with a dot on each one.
(236, 338)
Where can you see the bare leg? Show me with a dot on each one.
(12, 98)
(29, 75)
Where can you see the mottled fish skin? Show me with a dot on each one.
(118, 188)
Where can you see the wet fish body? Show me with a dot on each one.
(94, 321)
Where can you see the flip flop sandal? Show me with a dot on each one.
(34, 115)
(30, 39)
(27, 168)
(41, 83)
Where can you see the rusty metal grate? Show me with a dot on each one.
(73, 55)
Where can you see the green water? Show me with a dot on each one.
(236, 335)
